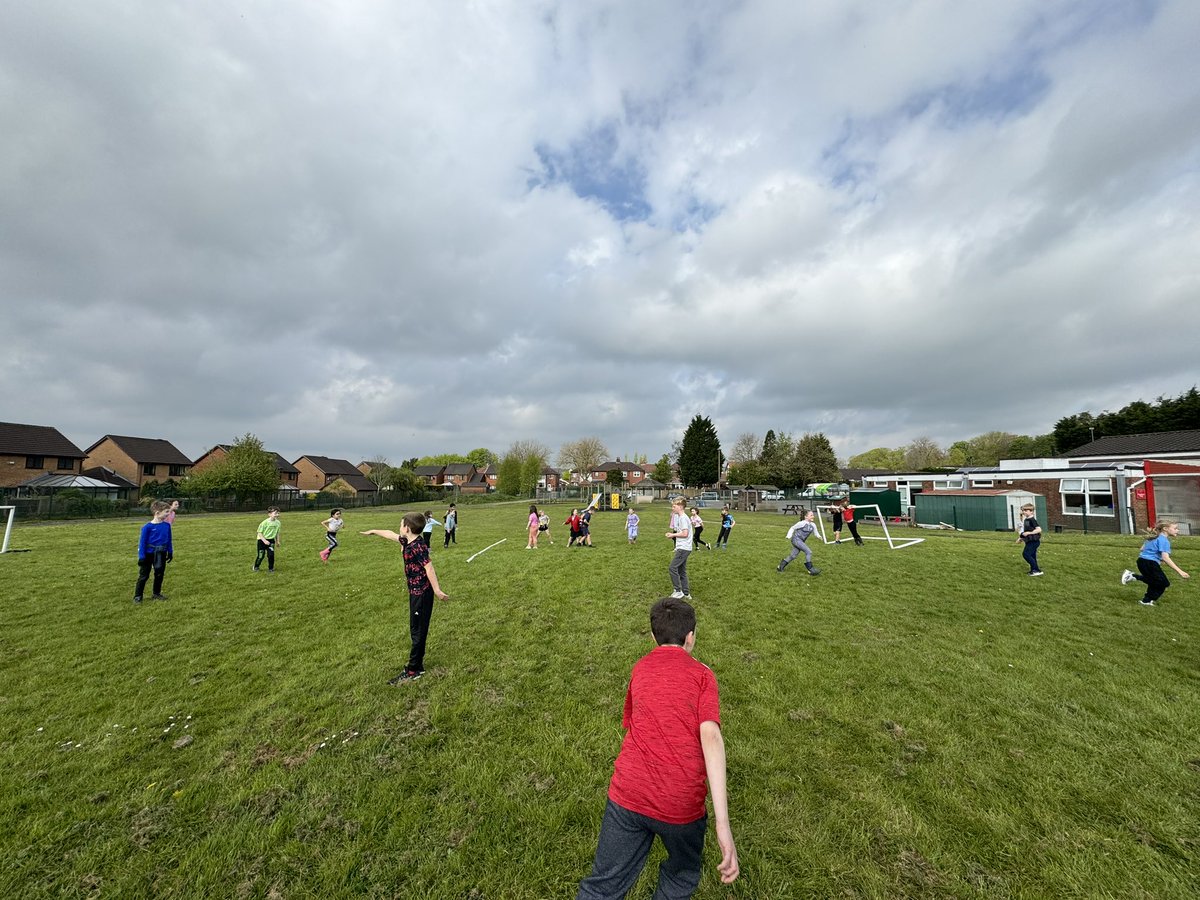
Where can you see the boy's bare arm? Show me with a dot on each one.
(713, 745)
(433, 582)
(383, 533)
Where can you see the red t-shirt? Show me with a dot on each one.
(847, 514)
(660, 770)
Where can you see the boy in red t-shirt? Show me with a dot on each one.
(672, 742)
(422, 588)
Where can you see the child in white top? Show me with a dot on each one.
(332, 526)
(798, 534)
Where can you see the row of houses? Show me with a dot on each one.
(41, 457)
(468, 479)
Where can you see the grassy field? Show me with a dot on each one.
(927, 722)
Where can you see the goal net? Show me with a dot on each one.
(859, 515)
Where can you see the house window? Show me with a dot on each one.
(149, 469)
(1087, 497)
(879, 483)
(178, 471)
(983, 482)
(66, 464)
(35, 462)
(954, 484)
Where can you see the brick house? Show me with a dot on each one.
(478, 484)
(314, 472)
(430, 476)
(458, 473)
(138, 460)
(28, 451)
(289, 475)
(631, 473)
(357, 485)
(551, 479)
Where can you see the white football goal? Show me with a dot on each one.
(859, 509)
(12, 512)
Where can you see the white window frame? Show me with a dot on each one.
(983, 482)
(1087, 487)
(951, 484)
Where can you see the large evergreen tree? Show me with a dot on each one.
(698, 463)
(816, 460)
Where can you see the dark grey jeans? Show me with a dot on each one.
(678, 570)
(625, 839)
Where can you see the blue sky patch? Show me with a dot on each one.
(595, 169)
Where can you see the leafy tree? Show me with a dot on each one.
(531, 473)
(1026, 447)
(442, 459)
(745, 448)
(815, 459)
(743, 473)
(662, 470)
(878, 458)
(614, 478)
(988, 449)
(405, 482)
(698, 464)
(583, 455)
(246, 470)
(779, 466)
(1073, 431)
(520, 468)
(410, 463)
(508, 475)
(923, 453)
(480, 457)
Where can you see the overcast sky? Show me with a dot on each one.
(372, 228)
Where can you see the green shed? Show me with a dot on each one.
(886, 499)
(978, 510)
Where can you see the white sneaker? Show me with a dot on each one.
(676, 595)
(687, 596)
(1126, 577)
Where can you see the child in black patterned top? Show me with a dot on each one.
(422, 588)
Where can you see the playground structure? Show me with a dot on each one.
(887, 535)
(608, 500)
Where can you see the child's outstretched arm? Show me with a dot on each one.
(1166, 557)
(433, 582)
(713, 745)
(383, 533)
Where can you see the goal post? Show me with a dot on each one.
(8, 524)
(892, 543)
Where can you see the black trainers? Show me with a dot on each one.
(814, 571)
(159, 597)
(137, 599)
(406, 675)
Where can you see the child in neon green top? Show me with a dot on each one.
(268, 539)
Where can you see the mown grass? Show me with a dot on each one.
(927, 722)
